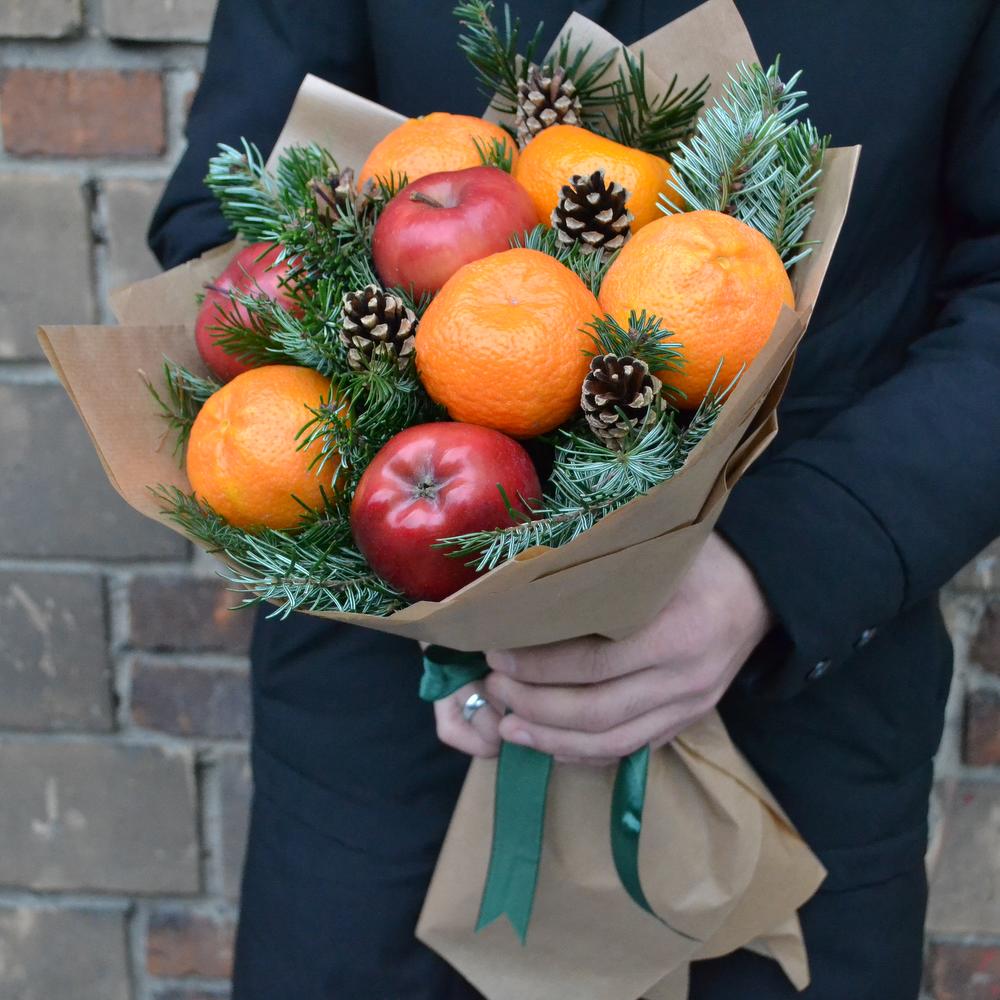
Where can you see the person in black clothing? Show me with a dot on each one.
(883, 481)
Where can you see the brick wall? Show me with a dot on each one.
(124, 708)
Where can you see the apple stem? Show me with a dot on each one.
(425, 198)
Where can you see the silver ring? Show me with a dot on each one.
(473, 704)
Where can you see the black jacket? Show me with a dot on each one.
(885, 477)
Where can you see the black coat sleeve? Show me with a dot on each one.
(259, 52)
(846, 529)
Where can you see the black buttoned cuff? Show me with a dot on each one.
(827, 568)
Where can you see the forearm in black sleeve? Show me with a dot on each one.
(847, 529)
(259, 52)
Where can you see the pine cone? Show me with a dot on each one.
(592, 213)
(338, 192)
(617, 395)
(545, 98)
(376, 324)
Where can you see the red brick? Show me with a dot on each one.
(986, 648)
(191, 700)
(84, 112)
(981, 739)
(187, 614)
(963, 972)
(180, 944)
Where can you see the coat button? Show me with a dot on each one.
(819, 670)
(865, 637)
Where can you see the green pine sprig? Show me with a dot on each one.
(495, 153)
(752, 157)
(501, 56)
(644, 338)
(589, 480)
(498, 58)
(366, 409)
(185, 395)
(315, 568)
(787, 206)
(656, 124)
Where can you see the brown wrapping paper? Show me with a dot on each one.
(718, 858)
(718, 861)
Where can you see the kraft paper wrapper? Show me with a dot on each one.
(718, 858)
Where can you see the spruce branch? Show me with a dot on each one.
(186, 393)
(645, 338)
(366, 409)
(316, 568)
(500, 59)
(704, 417)
(589, 481)
(654, 124)
(247, 194)
(495, 153)
(497, 58)
(787, 209)
(752, 157)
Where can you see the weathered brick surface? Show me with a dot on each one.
(177, 613)
(71, 954)
(159, 20)
(54, 658)
(98, 817)
(33, 207)
(235, 784)
(82, 112)
(181, 944)
(963, 972)
(56, 500)
(965, 889)
(191, 700)
(982, 728)
(39, 18)
(986, 648)
(128, 207)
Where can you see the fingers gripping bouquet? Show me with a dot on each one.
(487, 383)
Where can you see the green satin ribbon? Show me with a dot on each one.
(522, 785)
(628, 799)
(447, 670)
(518, 826)
(627, 802)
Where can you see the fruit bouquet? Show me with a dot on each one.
(486, 383)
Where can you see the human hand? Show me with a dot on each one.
(595, 700)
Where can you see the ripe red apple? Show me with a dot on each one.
(253, 271)
(442, 221)
(430, 482)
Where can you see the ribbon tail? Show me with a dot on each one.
(628, 800)
(519, 819)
